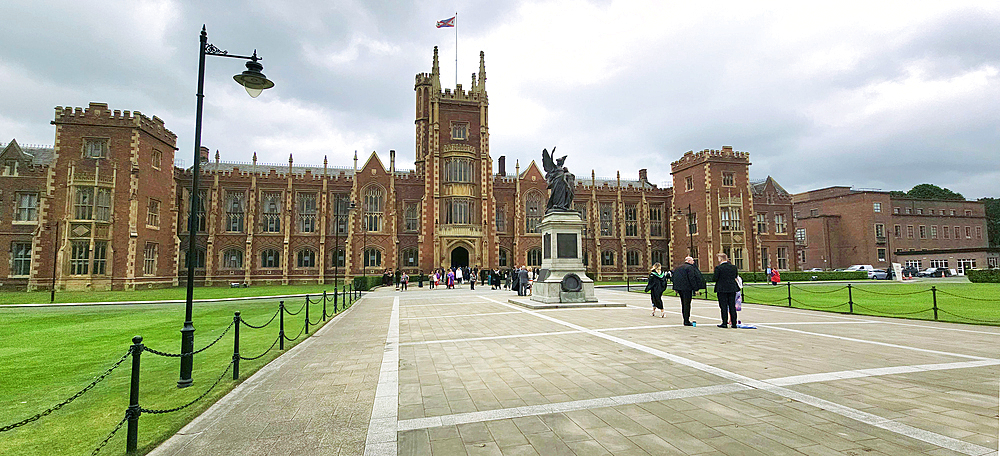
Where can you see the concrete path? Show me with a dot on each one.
(455, 372)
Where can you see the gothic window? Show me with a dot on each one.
(270, 258)
(607, 218)
(411, 217)
(631, 224)
(688, 183)
(341, 210)
(198, 257)
(608, 258)
(306, 258)
(765, 261)
(458, 211)
(373, 257)
(157, 159)
(149, 258)
(79, 262)
(656, 256)
(307, 212)
(581, 207)
(693, 224)
(459, 130)
(27, 207)
(761, 223)
(271, 212)
(84, 203)
(729, 218)
(153, 213)
(458, 170)
(535, 257)
(95, 147)
(501, 218)
(632, 258)
(232, 259)
(409, 258)
(100, 257)
(338, 257)
(656, 220)
(20, 263)
(373, 209)
(199, 214)
(533, 212)
(728, 179)
(234, 213)
(503, 258)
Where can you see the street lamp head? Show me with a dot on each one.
(252, 79)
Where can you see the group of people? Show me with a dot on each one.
(518, 278)
(686, 280)
(400, 278)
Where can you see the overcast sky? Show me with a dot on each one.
(872, 94)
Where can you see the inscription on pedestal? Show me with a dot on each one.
(566, 245)
(547, 245)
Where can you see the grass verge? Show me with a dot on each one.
(160, 294)
(51, 353)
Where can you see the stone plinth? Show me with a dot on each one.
(563, 277)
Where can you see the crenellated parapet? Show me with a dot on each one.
(98, 114)
(727, 154)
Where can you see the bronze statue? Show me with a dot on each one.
(561, 183)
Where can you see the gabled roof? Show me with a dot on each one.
(34, 154)
(759, 187)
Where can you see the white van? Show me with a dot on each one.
(861, 267)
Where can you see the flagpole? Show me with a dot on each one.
(456, 48)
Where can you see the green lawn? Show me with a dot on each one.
(160, 294)
(51, 353)
(956, 302)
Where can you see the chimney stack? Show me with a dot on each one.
(203, 154)
(642, 176)
(502, 165)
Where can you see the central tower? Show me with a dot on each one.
(453, 157)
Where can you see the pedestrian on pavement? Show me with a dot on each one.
(655, 284)
(458, 275)
(775, 277)
(472, 280)
(522, 281)
(514, 278)
(403, 281)
(451, 280)
(687, 280)
(726, 288)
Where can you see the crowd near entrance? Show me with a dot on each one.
(459, 257)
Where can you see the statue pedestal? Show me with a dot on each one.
(563, 277)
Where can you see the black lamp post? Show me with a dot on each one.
(254, 82)
(689, 230)
(364, 242)
(336, 230)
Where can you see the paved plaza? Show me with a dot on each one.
(455, 372)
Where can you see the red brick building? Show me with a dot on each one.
(838, 226)
(122, 207)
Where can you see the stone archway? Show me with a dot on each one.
(459, 257)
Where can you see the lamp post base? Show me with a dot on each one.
(187, 361)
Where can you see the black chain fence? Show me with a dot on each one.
(134, 410)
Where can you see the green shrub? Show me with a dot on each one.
(983, 275)
(366, 283)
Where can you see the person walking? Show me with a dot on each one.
(458, 275)
(775, 277)
(403, 281)
(687, 280)
(472, 279)
(451, 280)
(514, 278)
(655, 284)
(726, 288)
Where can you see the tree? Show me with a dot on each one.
(931, 191)
(992, 220)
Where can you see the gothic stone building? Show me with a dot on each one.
(121, 208)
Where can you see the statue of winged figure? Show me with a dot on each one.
(561, 182)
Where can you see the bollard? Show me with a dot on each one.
(628, 285)
(281, 325)
(934, 294)
(850, 298)
(335, 300)
(324, 305)
(789, 293)
(307, 314)
(133, 412)
(236, 345)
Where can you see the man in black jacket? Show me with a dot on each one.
(687, 280)
(726, 288)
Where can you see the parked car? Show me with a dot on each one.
(878, 274)
(814, 270)
(910, 271)
(861, 267)
(934, 272)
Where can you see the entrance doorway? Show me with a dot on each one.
(459, 257)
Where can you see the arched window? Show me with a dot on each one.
(608, 258)
(657, 257)
(535, 257)
(338, 258)
(632, 258)
(373, 257)
(271, 212)
(232, 259)
(199, 259)
(373, 208)
(458, 170)
(458, 211)
(270, 258)
(306, 258)
(533, 211)
(503, 258)
(409, 258)
(234, 212)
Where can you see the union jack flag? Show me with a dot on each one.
(450, 22)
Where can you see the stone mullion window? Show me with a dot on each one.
(373, 209)
(271, 213)
(79, 263)
(780, 226)
(607, 218)
(533, 212)
(783, 258)
(232, 259)
(20, 259)
(411, 217)
(631, 223)
(307, 212)
(153, 213)
(100, 257)
(234, 212)
(501, 218)
(199, 214)
(341, 210)
(84, 203)
(655, 221)
(149, 258)
(27, 207)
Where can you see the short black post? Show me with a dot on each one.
(628, 285)
(133, 412)
(307, 314)
(335, 300)
(236, 345)
(281, 325)
(934, 294)
(850, 298)
(789, 293)
(324, 305)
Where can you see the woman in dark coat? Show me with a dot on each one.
(656, 283)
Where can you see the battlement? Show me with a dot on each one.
(100, 114)
(423, 79)
(727, 154)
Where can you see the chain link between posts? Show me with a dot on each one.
(178, 355)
